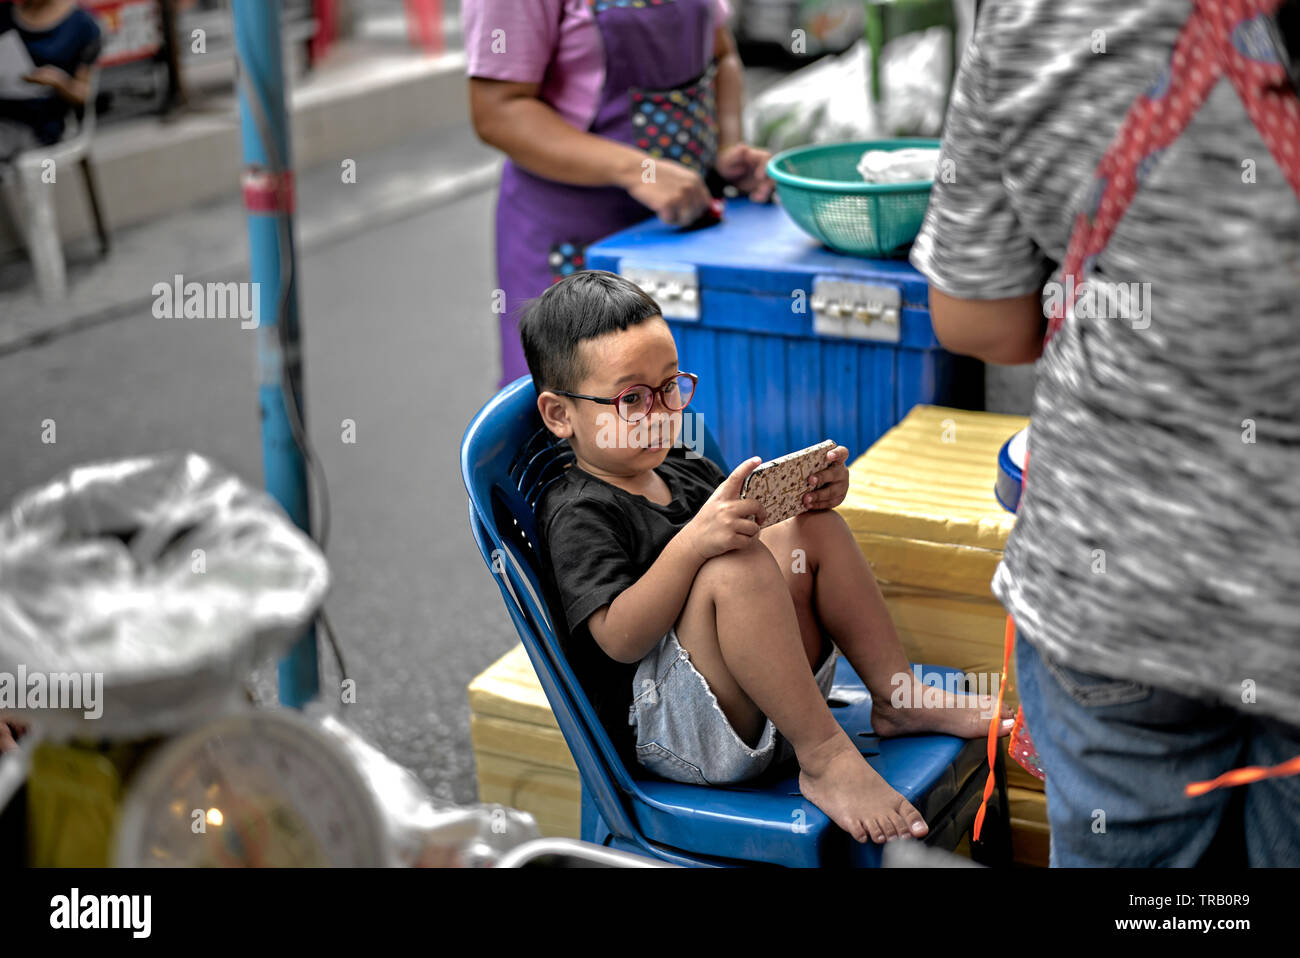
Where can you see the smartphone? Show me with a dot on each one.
(781, 484)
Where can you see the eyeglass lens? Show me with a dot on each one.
(636, 403)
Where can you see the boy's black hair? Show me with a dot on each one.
(583, 305)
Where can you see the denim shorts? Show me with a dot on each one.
(682, 733)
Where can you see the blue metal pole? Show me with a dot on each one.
(268, 198)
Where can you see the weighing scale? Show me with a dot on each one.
(254, 789)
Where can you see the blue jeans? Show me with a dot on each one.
(1118, 753)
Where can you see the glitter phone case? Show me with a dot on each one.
(781, 484)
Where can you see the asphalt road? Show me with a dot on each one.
(399, 338)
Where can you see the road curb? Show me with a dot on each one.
(312, 235)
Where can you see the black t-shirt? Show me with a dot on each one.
(69, 44)
(600, 539)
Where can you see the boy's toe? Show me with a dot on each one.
(912, 818)
(900, 826)
(889, 826)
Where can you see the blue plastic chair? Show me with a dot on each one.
(507, 459)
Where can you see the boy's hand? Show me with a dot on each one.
(724, 522)
(827, 488)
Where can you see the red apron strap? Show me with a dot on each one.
(1256, 70)
(1220, 37)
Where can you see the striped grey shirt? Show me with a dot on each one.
(1159, 535)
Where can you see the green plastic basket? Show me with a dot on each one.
(822, 190)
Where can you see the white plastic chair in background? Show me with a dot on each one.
(39, 225)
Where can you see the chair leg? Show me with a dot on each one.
(101, 227)
(41, 229)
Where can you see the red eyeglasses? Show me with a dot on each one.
(635, 402)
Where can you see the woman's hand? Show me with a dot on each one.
(828, 488)
(746, 167)
(676, 193)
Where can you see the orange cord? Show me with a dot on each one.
(1244, 776)
(994, 725)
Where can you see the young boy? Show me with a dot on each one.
(704, 642)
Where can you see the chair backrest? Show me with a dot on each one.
(508, 458)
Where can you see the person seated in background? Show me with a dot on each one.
(63, 42)
(706, 644)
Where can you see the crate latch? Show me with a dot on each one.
(852, 309)
(674, 286)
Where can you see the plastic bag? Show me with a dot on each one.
(828, 101)
(915, 74)
(163, 578)
(898, 166)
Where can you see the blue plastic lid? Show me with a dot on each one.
(1011, 470)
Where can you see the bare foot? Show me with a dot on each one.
(928, 708)
(837, 779)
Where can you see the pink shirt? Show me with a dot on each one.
(535, 44)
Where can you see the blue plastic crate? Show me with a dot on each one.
(776, 374)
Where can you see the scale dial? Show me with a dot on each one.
(270, 790)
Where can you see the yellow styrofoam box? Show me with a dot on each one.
(921, 504)
(1028, 805)
(1029, 832)
(521, 757)
(945, 569)
(1030, 843)
(509, 689)
(553, 796)
(540, 744)
(929, 480)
